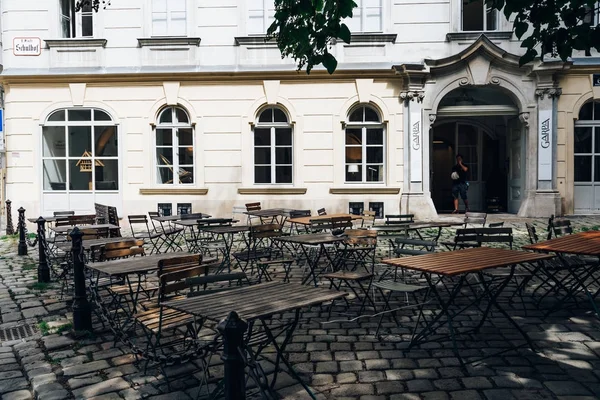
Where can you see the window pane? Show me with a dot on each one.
(177, 25)
(371, 115)
(262, 174)
(373, 20)
(266, 116)
(107, 177)
(80, 115)
(159, 24)
(255, 23)
(472, 15)
(55, 175)
(182, 116)
(80, 140)
(164, 175)
(283, 155)
(597, 110)
(165, 209)
(374, 173)
(354, 155)
(354, 136)
(279, 116)
(354, 176)
(57, 116)
(186, 138)
(262, 155)
(283, 174)
(164, 137)
(106, 141)
(184, 208)
(597, 140)
(87, 25)
(186, 175)
(186, 156)
(375, 136)
(375, 155)
(597, 169)
(357, 115)
(283, 136)
(583, 168)
(583, 140)
(80, 180)
(159, 5)
(101, 116)
(262, 137)
(585, 114)
(53, 144)
(491, 19)
(166, 116)
(164, 156)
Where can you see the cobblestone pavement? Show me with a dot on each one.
(339, 359)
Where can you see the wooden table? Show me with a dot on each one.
(171, 218)
(227, 233)
(579, 275)
(306, 220)
(257, 304)
(449, 271)
(62, 230)
(92, 245)
(133, 265)
(279, 215)
(396, 230)
(54, 218)
(305, 242)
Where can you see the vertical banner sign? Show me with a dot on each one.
(545, 145)
(2, 143)
(416, 142)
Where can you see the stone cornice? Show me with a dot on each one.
(272, 191)
(553, 92)
(169, 41)
(174, 191)
(492, 35)
(75, 42)
(365, 190)
(254, 41)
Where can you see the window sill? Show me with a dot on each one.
(365, 190)
(174, 191)
(373, 38)
(169, 41)
(492, 35)
(272, 191)
(254, 41)
(75, 42)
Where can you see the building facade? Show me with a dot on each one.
(177, 104)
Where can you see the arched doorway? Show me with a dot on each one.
(481, 124)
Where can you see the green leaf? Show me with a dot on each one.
(527, 57)
(520, 28)
(329, 62)
(344, 33)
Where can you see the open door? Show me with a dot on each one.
(516, 163)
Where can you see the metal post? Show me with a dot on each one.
(82, 315)
(43, 269)
(10, 230)
(233, 328)
(21, 227)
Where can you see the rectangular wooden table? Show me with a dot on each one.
(278, 215)
(447, 273)
(256, 304)
(580, 275)
(92, 245)
(227, 234)
(395, 230)
(133, 265)
(306, 220)
(305, 242)
(62, 230)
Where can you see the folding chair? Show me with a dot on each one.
(463, 238)
(473, 218)
(399, 219)
(502, 236)
(368, 217)
(355, 263)
(155, 238)
(298, 214)
(253, 207)
(559, 227)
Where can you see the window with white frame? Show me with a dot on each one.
(478, 16)
(169, 18)
(174, 147)
(592, 15)
(273, 150)
(80, 151)
(366, 17)
(261, 14)
(365, 146)
(75, 24)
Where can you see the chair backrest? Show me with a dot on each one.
(123, 249)
(153, 214)
(416, 244)
(340, 224)
(320, 224)
(265, 231)
(496, 225)
(253, 206)
(533, 236)
(561, 227)
(396, 219)
(204, 281)
(62, 221)
(465, 235)
(101, 213)
(177, 263)
(473, 218)
(321, 211)
(113, 217)
(89, 219)
(300, 213)
(495, 235)
(138, 220)
(174, 280)
(361, 237)
(63, 213)
(90, 234)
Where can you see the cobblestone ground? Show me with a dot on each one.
(338, 359)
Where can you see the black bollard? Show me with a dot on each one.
(21, 227)
(43, 269)
(10, 230)
(82, 312)
(233, 328)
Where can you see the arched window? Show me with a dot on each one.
(586, 149)
(80, 151)
(365, 146)
(174, 147)
(273, 152)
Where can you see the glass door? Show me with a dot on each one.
(468, 144)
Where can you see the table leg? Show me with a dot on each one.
(312, 264)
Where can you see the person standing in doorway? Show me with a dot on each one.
(459, 183)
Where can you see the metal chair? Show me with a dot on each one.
(399, 219)
(473, 218)
(368, 217)
(145, 232)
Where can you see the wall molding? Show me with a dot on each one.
(364, 190)
(272, 191)
(169, 41)
(174, 191)
(75, 42)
